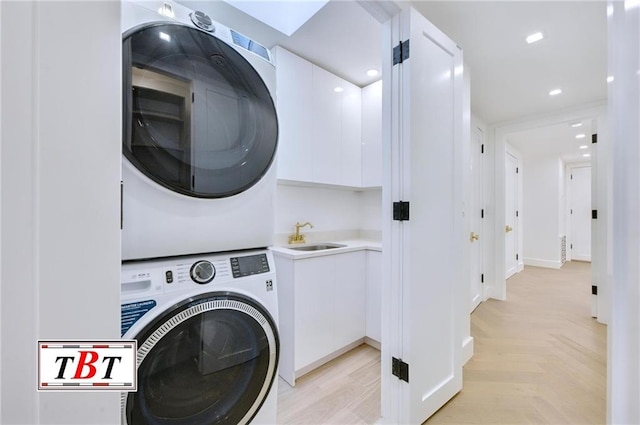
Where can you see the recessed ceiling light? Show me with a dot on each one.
(584, 147)
(338, 89)
(535, 37)
(372, 72)
(586, 155)
(164, 36)
(631, 4)
(610, 79)
(580, 136)
(576, 124)
(555, 92)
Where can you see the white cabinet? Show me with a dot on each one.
(350, 298)
(374, 295)
(314, 312)
(320, 124)
(351, 135)
(322, 303)
(325, 128)
(372, 135)
(295, 117)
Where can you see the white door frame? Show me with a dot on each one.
(516, 221)
(476, 214)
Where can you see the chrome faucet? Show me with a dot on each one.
(297, 237)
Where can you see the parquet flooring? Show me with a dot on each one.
(539, 358)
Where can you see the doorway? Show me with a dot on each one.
(579, 220)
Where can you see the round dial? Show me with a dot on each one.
(202, 272)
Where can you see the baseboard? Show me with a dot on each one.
(373, 343)
(537, 262)
(467, 350)
(583, 258)
(326, 359)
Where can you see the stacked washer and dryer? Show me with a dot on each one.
(199, 290)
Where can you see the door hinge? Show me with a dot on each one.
(571, 176)
(571, 211)
(482, 148)
(516, 256)
(594, 214)
(401, 52)
(517, 213)
(571, 246)
(400, 369)
(516, 170)
(401, 211)
(482, 213)
(482, 278)
(594, 138)
(594, 290)
(193, 97)
(121, 200)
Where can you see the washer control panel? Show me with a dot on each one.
(249, 265)
(181, 273)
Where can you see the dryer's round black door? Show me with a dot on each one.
(211, 360)
(198, 118)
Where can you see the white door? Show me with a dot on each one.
(510, 215)
(477, 216)
(580, 244)
(425, 296)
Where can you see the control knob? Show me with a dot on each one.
(202, 272)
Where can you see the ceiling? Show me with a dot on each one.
(557, 140)
(510, 79)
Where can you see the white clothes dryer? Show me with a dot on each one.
(207, 335)
(200, 133)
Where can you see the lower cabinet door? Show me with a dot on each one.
(314, 315)
(350, 297)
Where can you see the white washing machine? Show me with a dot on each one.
(207, 337)
(200, 133)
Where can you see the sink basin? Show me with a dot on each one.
(316, 247)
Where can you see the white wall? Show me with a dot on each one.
(623, 357)
(543, 190)
(329, 210)
(371, 212)
(60, 197)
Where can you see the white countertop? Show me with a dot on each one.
(349, 245)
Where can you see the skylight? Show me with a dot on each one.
(285, 16)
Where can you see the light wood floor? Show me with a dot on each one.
(539, 358)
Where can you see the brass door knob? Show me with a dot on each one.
(508, 228)
(474, 237)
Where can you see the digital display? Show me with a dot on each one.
(252, 264)
(249, 44)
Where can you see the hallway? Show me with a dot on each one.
(539, 357)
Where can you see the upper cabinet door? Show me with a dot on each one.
(425, 295)
(294, 94)
(372, 135)
(351, 135)
(325, 127)
(320, 117)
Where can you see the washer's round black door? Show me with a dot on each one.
(211, 360)
(198, 118)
